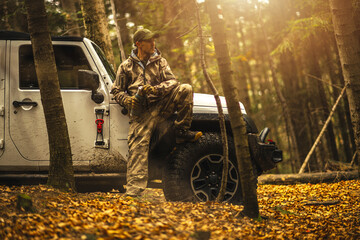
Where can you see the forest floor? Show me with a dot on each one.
(302, 211)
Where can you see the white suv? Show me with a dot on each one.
(98, 128)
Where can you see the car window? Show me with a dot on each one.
(69, 59)
(109, 68)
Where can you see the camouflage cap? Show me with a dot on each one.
(144, 34)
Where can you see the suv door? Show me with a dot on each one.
(27, 122)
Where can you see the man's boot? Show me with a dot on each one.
(184, 135)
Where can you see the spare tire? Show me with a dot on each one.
(194, 171)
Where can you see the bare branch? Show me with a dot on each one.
(319, 79)
(302, 169)
(187, 32)
(70, 29)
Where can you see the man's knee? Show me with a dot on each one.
(186, 88)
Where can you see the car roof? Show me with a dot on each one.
(12, 35)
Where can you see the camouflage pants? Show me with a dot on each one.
(180, 100)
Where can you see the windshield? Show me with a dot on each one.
(106, 64)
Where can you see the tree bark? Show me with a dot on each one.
(247, 177)
(356, 5)
(61, 173)
(340, 77)
(349, 52)
(96, 26)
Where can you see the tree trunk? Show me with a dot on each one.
(328, 120)
(247, 177)
(72, 25)
(349, 52)
(176, 58)
(312, 137)
(314, 104)
(251, 52)
(222, 190)
(96, 26)
(357, 17)
(324, 112)
(240, 65)
(118, 32)
(246, 68)
(126, 12)
(4, 23)
(61, 173)
(294, 99)
(313, 178)
(284, 105)
(349, 126)
(335, 81)
(17, 18)
(282, 11)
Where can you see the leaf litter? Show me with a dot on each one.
(287, 213)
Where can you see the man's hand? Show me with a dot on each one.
(133, 102)
(148, 89)
(128, 103)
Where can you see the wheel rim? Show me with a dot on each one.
(206, 178)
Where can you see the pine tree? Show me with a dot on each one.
(349, 52)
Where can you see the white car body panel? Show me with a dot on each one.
(205, 103)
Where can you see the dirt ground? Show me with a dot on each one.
(303, 211)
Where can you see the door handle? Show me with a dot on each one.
(19, 104)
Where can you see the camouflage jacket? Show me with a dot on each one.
(132, 73)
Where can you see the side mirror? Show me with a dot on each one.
(89, 80)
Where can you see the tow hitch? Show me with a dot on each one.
(265, 154)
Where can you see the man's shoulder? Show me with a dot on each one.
(162, 60)
(127, 63)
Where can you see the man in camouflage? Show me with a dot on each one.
(146, 86)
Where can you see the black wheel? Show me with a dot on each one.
(194, 171)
